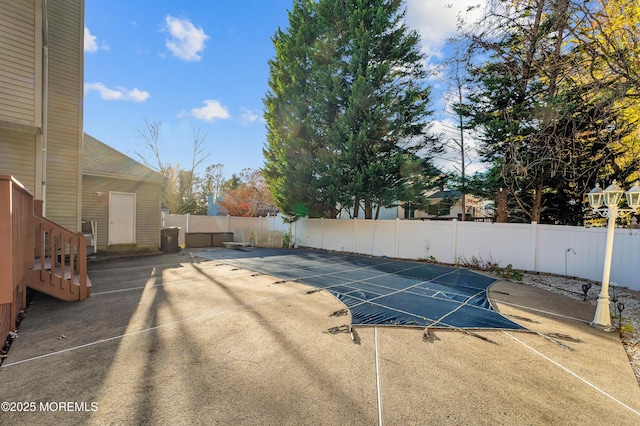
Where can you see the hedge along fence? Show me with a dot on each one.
(563, 250)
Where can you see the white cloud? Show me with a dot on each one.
(211, 110)
(118, 94)
(90, 41)
(450, 160)
(187, 42)
(436, 21)
(248, 116)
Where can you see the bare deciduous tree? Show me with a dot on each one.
(179, 187)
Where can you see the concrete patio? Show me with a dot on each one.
(178, 339)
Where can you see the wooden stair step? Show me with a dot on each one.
(38, 264)
(57, 271)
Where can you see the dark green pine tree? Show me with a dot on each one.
(347, 109)
(291, 151)
(387, 106)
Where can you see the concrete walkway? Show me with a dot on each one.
(177, 339)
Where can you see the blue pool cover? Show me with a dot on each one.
(381, 291)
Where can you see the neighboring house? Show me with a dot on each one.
(447, 204)
(41, 95)
(122, 197)
(385, 213)
(444, 204)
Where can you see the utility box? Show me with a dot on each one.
(217, 238)
(197, 239)
(206, 239)
(169, 239)
(90, 232)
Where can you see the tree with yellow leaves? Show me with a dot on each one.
(555, 100)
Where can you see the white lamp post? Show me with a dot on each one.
(610, 197)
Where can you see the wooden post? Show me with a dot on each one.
(38, 207)
(82, 266)
(454, 240)
(6, 251)
(16, 249)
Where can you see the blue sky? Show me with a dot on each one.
(202, 65)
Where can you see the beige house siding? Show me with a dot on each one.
(19, 62)
(17, 156)
(64, 124)
(147, 208)
(25, 74)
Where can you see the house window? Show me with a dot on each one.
(409, 212)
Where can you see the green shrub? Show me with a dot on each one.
(626, 328)
(508, 272)
(286, 239)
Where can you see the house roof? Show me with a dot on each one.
(99, 159)
(445, 194)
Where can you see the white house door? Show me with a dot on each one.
(122, 218)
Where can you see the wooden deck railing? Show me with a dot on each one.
(16, 250)
(61, 261)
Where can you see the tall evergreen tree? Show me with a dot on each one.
(291, 143)
(347, 109)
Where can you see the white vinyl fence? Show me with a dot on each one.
(262, 230)
(564, 250)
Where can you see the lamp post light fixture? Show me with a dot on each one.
(605, 203)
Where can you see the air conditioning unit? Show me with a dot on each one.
(90, 232)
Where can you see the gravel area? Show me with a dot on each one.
(572, 287)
